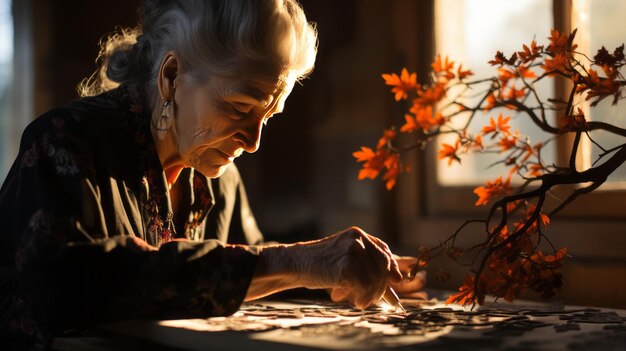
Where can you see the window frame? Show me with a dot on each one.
(22, 90)
(453, 200)
(427, 213)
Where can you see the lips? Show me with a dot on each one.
(231, 155)
(226, 155)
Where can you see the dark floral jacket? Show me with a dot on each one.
(86, 180)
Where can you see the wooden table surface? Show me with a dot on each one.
(321, 325)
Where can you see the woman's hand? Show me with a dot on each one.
(409, 287)
(357, 267)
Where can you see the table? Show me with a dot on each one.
(322, 325)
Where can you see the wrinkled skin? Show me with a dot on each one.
(356, 267)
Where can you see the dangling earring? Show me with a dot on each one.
(167, 112)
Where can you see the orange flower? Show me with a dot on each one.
(501, 126)
(505, 74)
(401, 84)
(551, 261)
(500, 59)
(536, 170)
(463, 74)
(410, 124)
(443, 68)
(392, 163)
(559, 63)
(512, 206)
(506, 143)
(491, 190)
(364, 155)
(525, 72)
(603, 58)
(368, 172)
(448, 151)
(491, 102)
(611, 71)
(557, 257)
(466, 294)
(388, 136)
(431, 95)
(373, 162)
(438, 120)
(424, 117)
(529, 54)
(478, 142)
(559, 42)
(541, 219)
(514, 94)
(574, 122)
(600, 87)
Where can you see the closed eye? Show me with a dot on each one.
(243, 108)
(236, 111)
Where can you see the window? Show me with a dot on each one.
(434, 200)
(599, 23)
(17, 73)
(471, 31)
(6, 61)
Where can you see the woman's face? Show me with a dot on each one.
(217, 120)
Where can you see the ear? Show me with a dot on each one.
(168, 71)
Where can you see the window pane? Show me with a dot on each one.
(6, 58)
(471, 31)
(601, 23)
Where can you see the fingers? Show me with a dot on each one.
(395, 274)
(358, 267)
(381, 269)
(406, 263)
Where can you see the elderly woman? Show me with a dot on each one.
(126, 203)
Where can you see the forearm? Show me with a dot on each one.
(276, 270)
(110, 280)
(360, 265)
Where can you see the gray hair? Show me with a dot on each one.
(227, 37)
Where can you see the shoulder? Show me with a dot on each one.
(97, 115)
(98, 127)
(55, 119)
(56, 139)
(55, 126)
(87, 117)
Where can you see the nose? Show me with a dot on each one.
(250, 134)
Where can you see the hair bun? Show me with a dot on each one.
(117, 60)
